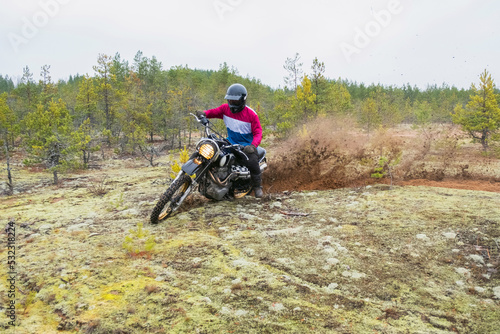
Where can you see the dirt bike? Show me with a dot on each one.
(217, 169)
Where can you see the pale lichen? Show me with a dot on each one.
(347, 260)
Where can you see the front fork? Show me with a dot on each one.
(177, 203)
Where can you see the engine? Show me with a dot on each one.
(220, 179)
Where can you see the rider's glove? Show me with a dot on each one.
(202, 117)
(250, 149)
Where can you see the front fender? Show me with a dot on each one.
(191, 168)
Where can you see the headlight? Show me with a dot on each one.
(207, 151)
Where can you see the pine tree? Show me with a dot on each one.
(135, 116)
(25, 94)
(86, 101)
(152, 81)
(387, 109)
(481, 116)
(306, 99)
(85, 141)
(319, 84)
(109, 97)
(423, 113)
(179, 105)
(294, 69)
(281, 116)
(120, 69)
(50, 136)
(49, 90)
(338, 99)
(369, 116)
(6, 84)
(8, 129)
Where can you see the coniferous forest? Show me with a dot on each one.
(133, 106)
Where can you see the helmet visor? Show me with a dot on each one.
(236, 103)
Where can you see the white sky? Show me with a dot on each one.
(392, 42)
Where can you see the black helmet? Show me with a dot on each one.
(236, 97)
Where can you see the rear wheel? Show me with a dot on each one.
(171, 199)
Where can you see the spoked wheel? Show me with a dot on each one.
(171, 199)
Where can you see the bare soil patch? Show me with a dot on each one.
(492, 186)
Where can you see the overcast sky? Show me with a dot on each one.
(391, 42)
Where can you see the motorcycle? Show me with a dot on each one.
(217, 169)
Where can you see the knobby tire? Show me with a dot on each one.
(161, 210)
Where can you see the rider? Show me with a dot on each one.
(243, 127)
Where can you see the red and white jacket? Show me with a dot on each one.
(242, 128)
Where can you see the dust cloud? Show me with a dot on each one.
(333, 152)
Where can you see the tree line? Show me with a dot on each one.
(130, 106)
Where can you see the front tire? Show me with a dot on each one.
(169, 201)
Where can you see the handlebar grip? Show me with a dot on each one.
(203, 120)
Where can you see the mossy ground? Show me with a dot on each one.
(359, 260)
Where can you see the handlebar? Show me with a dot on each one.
(208, 126)
(197, 119)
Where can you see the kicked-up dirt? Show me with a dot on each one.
(331, 154)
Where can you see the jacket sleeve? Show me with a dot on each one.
(216, 113)
(256, 131)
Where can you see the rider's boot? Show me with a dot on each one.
(257, 185)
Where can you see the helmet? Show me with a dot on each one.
(236, 97)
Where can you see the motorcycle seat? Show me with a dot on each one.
(261, 152)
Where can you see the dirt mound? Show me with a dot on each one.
(332, 153)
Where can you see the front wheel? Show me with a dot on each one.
(171, 199)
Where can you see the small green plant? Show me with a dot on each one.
(30, 298)
(380, 171)
(183, 158)
(139, 242)
(117, 204)
(386, 167)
